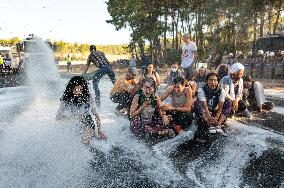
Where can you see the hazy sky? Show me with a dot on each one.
(82, 21)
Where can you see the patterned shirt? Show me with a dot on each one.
(98, 58)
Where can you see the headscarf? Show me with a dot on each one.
(236, 67)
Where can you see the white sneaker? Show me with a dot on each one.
(219, 130)
(212, 130)
(247, 114)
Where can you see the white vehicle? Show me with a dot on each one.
(14, 57)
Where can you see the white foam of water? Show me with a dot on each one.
(159, 168)
(41, 69)
(38, 152)
(168, 146)
(224, 167)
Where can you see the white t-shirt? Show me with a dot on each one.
(188, 54)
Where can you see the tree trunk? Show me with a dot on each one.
(176, 24)
(254, 27)
(165, 29)
(277, 17)
(261, 26)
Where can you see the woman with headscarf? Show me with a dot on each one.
(233, 86)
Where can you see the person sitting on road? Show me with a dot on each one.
(211, 110)
(254, 95)
(146, 114)
(223, 70)
(233, 86)
(78, 104)
(181, 103)
(173, 73)
(124, 89)
(200, 77)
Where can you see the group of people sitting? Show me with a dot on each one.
(208, 97)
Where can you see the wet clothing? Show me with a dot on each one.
(122, 85)
(179, 100)
(100, 61)
(149, 121)
(212, 98)
(77, 111)
(184, 119)
(119, 93)
(123, 99)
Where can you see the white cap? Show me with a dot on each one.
(271, 54)
(240, 52)
(231, 54)
(236, 67)
(260, 52)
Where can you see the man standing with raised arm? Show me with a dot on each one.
(99, 59)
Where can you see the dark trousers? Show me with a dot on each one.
(68, 66)
(202, 130)
(100, 72)
(242, 105)
(123, 99)
(181, 118)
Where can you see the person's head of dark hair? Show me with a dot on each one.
(222, 70)
(175, 63)
(93, 48)
(212, 74)
(247, 79)
(149, 63)
(68, 94)
(190, 77)
(150, 80)
(178, 80)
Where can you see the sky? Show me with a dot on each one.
(82, 21)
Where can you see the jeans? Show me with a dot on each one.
(100, 72)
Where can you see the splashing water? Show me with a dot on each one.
(40, 68)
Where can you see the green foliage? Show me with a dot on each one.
(9, 42)
(216, 26)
